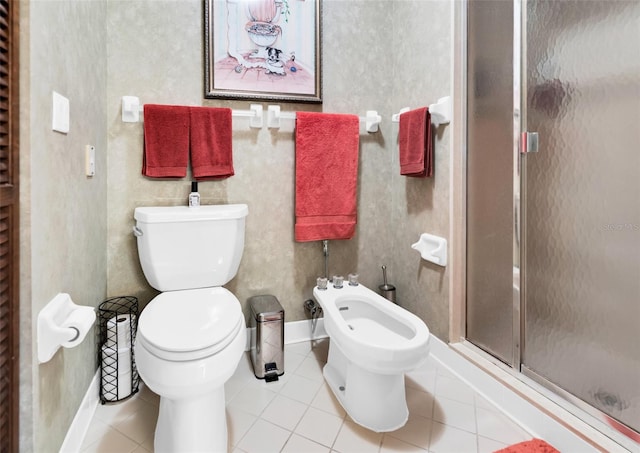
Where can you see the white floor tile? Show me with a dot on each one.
(416, 432)
(112, 413)
(489, 445)
(302, 348)
(284, 412)
(96, 431)
(454, 389)
(447, 439)
(393, 445)
(310, 368)
(264, 437)
(353, 438)
(454, 413)
(238, 423)
(141, 425)
(233, 386)
(292, 361)
(301, 388)
(147, 395)
(253, 398)
(112, 441)
(419, 402)
(326, 401)
(499, 427)
(320, 349)
(319, 426)
(422, 378)
(298, 444)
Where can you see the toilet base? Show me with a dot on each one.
(376, 401)
(195, 424)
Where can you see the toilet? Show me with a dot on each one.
(261, 28)
(192, 335)
(372, 344)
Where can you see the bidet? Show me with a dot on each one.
(372, 344)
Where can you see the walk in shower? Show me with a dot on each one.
(553, 197)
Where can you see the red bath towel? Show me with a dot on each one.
(415, 143)
(326, 175)
(529, 446)
(166, 141)
(211, 145)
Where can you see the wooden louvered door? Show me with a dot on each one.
(9, 227)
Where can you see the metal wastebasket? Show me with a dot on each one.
(267, 337)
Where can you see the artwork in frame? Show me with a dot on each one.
(263, 49)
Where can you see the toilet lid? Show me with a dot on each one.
(185, 321)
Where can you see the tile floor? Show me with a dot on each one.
(299, 414)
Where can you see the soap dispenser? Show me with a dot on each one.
(194, 196)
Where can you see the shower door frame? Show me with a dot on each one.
(543, 390)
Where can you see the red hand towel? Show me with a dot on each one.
(414, 136)
(529, 446)
(166, 141)
(326, 175)
(211, 146)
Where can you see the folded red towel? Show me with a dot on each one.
(326, 175)
(166, 141)
(211, 145)
(414, 136)
(529, 446)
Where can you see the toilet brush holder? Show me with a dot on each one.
(386, 290)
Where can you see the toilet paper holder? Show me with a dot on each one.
(62, 323)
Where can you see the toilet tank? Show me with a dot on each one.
(184, 247)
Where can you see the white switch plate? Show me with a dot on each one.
(60, 115)
(90, 160)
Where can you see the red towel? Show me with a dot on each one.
(326, 175)
(166, 141)
(211, 146)
(414, 136)
(529, 446)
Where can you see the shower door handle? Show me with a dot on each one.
(528, 142)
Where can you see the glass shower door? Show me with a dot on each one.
(582, 230)
(490, 308)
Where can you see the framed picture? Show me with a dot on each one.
(263, 49)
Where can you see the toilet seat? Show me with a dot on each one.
(191, 324)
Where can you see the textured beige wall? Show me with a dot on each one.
(423, 61)
(64, 213)
(401, 59)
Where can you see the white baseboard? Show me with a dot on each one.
(80, 424)
(297, 331)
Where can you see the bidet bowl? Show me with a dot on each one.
(373, 332)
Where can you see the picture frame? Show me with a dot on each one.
(263, 50)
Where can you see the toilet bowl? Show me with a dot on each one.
(261, 27)
(192, 335)
(373, 342)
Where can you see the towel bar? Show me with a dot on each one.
(131, 109)
(372, 120)
(440, 112)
